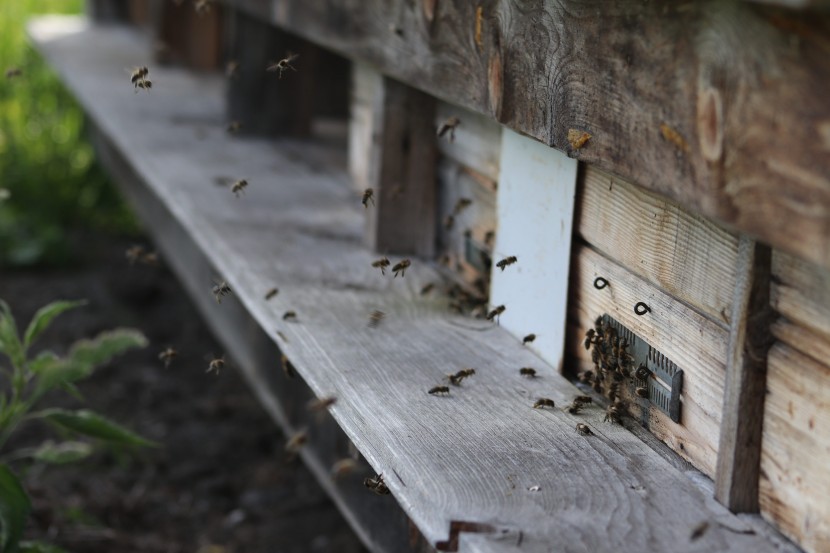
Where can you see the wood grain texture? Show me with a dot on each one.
(739, 452)
(801, 293)
(684, 254)
(691, 340)
(795, 481)
(733, 127)
(465, 461)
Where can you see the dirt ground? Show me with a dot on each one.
(219, 484)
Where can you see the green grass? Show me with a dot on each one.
(46, 164)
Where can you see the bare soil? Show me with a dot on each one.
(219, 483)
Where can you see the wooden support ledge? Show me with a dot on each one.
(479, 470)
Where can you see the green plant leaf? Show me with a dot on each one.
(63, 452)
(94, 425)
(44, 316)
(9, 339)
(14, 509)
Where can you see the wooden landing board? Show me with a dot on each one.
(455, 464)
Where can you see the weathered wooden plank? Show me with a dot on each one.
(186, 37)
(364, 111)
(795, 480)
(401, 169)
(463, 462)
(739, 452)
(801, 293)
(734, 78)
(475, 142)
(691, 340)
(685, 254)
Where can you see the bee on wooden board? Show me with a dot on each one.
(167, 356)
(584, 429)
(376, 484)
(287, 367)
(506, 262)
(457, 378)
(448, 128)
(528, 372)
(496, 311)
(220, 290)
(528, 339)
(461, 205)
(343, 467)
(427, 288)
(271, 293)
(574, 407)
(586, 377)
(583, 399)
(285, 63)
(238, 187)
(375, 317)
(216, 364)
(289, 316)
(641, 391)
(321, 404)
(699, 530)
(13, 72)
(642, 372)
(381, 264)
(543, 402)
(614, 412)
(296, 441)
(434, 391)
(368, 196)
(401, 267)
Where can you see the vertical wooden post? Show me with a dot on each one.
(398, 163)
(267, 103)
(189, 38)
(739, 452)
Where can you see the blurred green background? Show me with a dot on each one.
(57, 192)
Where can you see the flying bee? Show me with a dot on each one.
(641, 391)
(287, 367)
(449, 126)
(506, 262)
(584, 429)
(234, 127)
(144, 84)
(643, 372)
(427, 288)
(528, 339)
(321, 404)
(239, 187)
(138, 75)
(216, 364)
(376, 484)
(461, 205)
(528, 372)
(232, 69)
(167, 356)
(283, 64)
(296, 441)
(439, 390)
(289, 316)
(381, 264)
(220, 290)
(368, 196)
(401, 267)
(13, 72)
(495, 312)
(271, 293)
(375, 317)
(343, 467)
(449, 221)
(543, 402)
(134, 253)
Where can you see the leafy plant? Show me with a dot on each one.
(24, 384)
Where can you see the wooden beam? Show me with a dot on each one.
(739, 453)
(399, 167)
(713, 104)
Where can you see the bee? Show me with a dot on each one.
(584, 429)
(489, 237)
(449, 221)
(13, 72)
(439, 390)
(583, 399)
(144, 84)
(289, 316)
(506, 262)
(641, 391)
(528, 372)
(150, 258)
(138, 75)
(220, 290)
(597, 385)
(239, 187)
(376, 484)
(271, 293)
(167, 356)
(232, 69)
(427, 288)
(449, 126)
(528, 339)
(283, 64)
(201, 7)
(589, 338)
(381, 264)
(614, 390)
(375, 317)
(575, 407)
(444, 260)
(543, 402)
(586, 377)
(134, 253)
(456, 378)
(699, 530)
(234, 127)
(495, 312)
(287, 367)
(216, 364)
(461, 205)
(643, 372)
(368, 196)
(296, 441)
(401, 267)
(614, 412)
(321, 404)
(343, 467)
